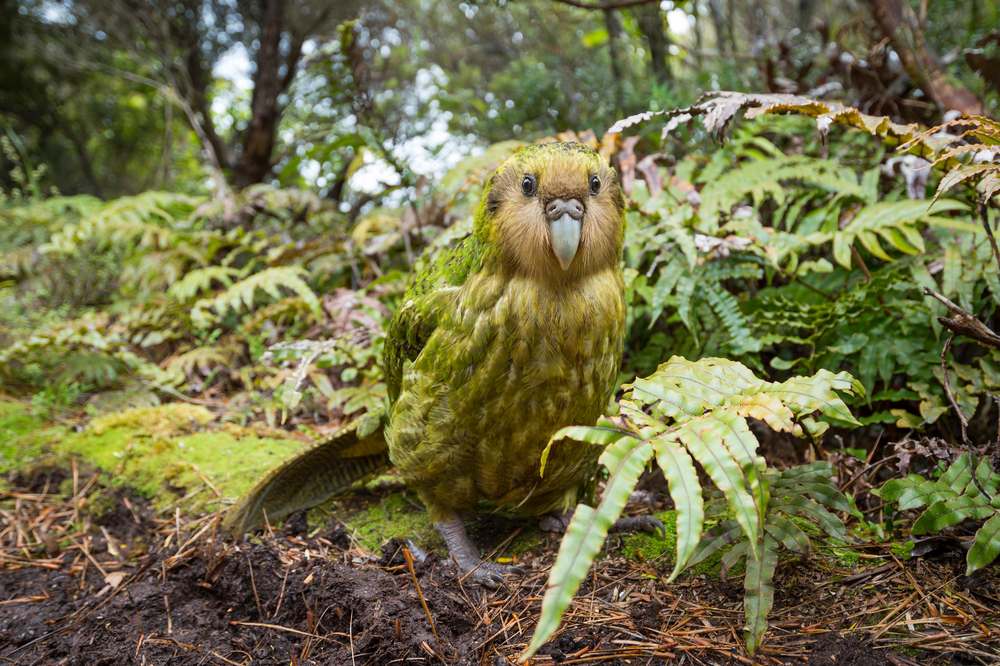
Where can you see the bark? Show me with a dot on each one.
(715, 9)
(698, 46)
(898, 23)
(650, 21)
(76, 137)
(612, 20)
(198, 98)
(255, 162)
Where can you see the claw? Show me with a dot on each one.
(559, 523)
(643, 523)
(466, 556)
(419, 554)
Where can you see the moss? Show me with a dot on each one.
(122, 446)
(99, 505)
(161, 422)
(653, 548)
(390, 517)
(527, 540)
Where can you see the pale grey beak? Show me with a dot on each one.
(565, 236)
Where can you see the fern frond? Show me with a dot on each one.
(243, 294)
(200, 280)
(896, 222)
(201, 359)
(699, 410)
(768, 179)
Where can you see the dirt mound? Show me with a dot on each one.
(129, 585)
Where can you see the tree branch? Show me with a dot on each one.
(965, 323)
(613, 4)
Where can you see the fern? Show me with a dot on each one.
(200, 280)
(146, 218)
(896, 222)
(698, 410)
(769, 179)
(954, 498)
(243, 294)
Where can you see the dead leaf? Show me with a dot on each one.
(626, 164)
(651, 174)
(114, 579)
(588, 138)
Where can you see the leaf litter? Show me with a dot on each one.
(140, 587)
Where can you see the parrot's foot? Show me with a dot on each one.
(639, 523)
(559, 523)
(488, 574)
(555, 522)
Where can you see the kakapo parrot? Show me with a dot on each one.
(512, 334)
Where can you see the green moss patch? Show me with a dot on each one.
(386, 518)
(159, 451)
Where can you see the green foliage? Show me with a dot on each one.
(186, 290)
(791, 262)
(951, 499)
(699, 410)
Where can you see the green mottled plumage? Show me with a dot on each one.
(494, 348)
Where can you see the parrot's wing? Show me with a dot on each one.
(359, 451)
(425, 302)
(315, 473)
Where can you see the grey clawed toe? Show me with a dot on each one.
(466, 555)
(639, 523)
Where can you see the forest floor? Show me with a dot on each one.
(94, 571)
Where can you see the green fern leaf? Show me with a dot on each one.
(200, 280)
(986, 547)
(943, 514)
(625, 461)
(759, 586)
(682, 480)
(243, 294)
(715, 540)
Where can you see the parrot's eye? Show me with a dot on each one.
(529, 186)
(595, 185)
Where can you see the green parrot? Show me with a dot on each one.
(507, 337)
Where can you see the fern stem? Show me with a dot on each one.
(805, 284)
(868, 277)
(983, 214)
(973, 464)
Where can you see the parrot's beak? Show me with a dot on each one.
(565, 236)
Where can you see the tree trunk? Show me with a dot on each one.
(715, 9)
(650, 21)
(898, 23)
(730, 22)
(698, 46)
(807, 9)
(254, 165)
(612, 19)
(86, 165)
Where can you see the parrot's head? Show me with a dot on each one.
(554, 211)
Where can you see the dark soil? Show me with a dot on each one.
(839, 650)
(174, 592)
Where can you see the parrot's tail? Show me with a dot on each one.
(330, 466)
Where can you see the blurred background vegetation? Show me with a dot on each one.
(188, 183)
